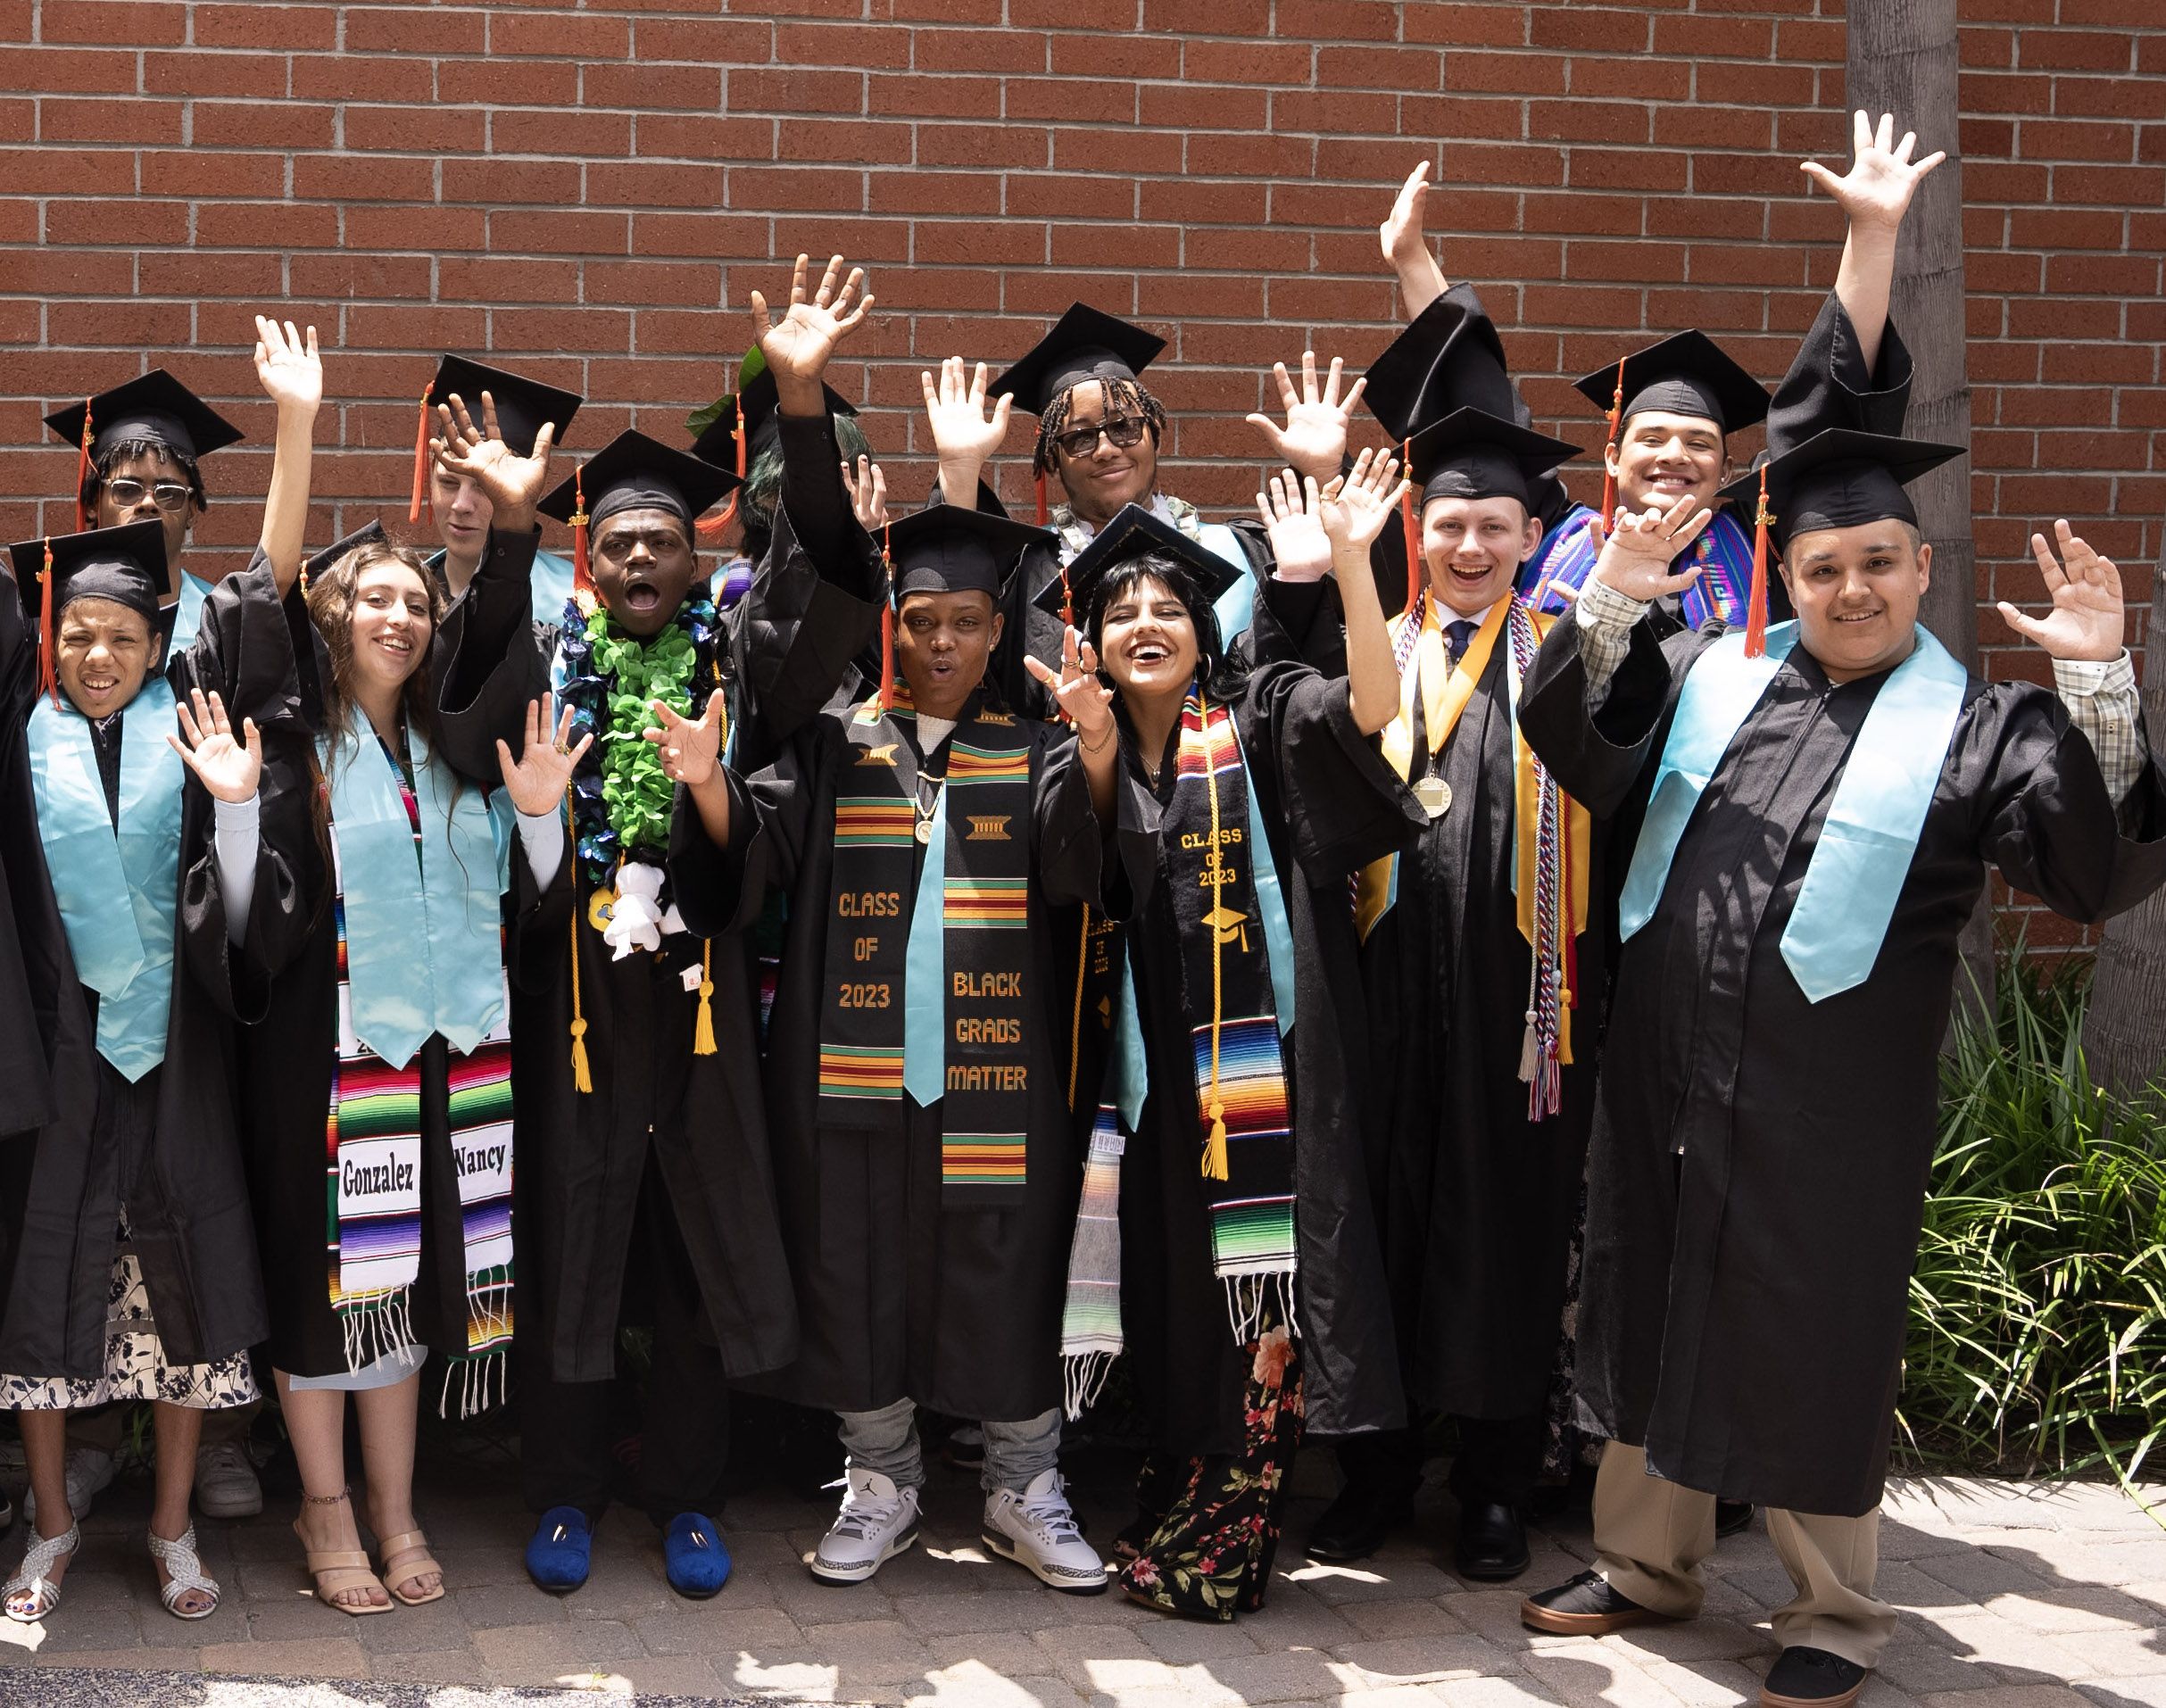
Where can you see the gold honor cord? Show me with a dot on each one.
(1082, 972)
(1214, 1147)
(580, 1077)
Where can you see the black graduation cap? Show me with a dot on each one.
(372, 534)
(756, 403)
(1838, 478)
(1085, 344)
(1473, 453)
(945, 548)
(632, 470)
(126, 565)
(1448, 358)
(153, 406)
(1136, 532)
(523, 406)
(1685, 375)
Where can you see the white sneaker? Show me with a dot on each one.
(877, 1521)
(89, 1475)
(226, 1485)
(1037, 1529)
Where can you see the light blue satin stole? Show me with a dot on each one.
(1236, 607)
(1871, 831)
(125, 953)
(188, 614)
(424, 936)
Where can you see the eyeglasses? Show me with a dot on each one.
(169, 495)
(1122, 430)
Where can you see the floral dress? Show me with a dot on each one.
(1210, 1554)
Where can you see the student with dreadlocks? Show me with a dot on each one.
(917, 1080)
(1224, 1240)
(1100, 431)
(648, 1180)
(130, 1270)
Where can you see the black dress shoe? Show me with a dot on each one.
(1731, 1516)
(1808, 1677)
(1586, 1606)
(1354, 1526)
(1492, 1543)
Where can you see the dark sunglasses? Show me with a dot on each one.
(168, 495)
(1122, 430)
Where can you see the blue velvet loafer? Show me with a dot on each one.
(693, 1558)
(561, 1550)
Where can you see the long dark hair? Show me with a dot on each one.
(1223, 676)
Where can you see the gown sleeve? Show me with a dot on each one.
(2046, 819)
(489, 660)
(815, 598)
(1342, 806)
(29, 963)
(1071, 844)
(1828, 384)
(721, 891)
(1598, 755)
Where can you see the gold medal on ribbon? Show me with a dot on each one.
(1435, 794)
(925, 830)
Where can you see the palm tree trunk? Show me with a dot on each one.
(1901, 59)
(2124, 1031)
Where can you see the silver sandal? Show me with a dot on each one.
(184, 1573)
(40, 1557)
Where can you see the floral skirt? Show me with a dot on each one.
(135, 1366)
(1219, 1517)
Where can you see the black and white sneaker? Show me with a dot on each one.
(877, 1521)
(1037, 1529)
(1810, 1678)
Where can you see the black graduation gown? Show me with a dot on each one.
(63, 1185)
(286, 1057)
(700, 1118)
(957, 1309)
(1759, 1161)
(1327, 804)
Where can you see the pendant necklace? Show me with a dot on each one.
(924, 830)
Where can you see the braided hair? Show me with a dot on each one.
(1122, 397)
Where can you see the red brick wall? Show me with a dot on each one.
(590, 191)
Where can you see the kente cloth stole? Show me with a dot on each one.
(118, 889)
(1870, 833)
(1208, 843)
(372, 1140)
(1552, 833)
(927, 975)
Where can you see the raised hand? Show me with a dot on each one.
(1636, 557)
(537, 779)
(1421, 281)
(1357, 509)
(2088, 619)
(691, 750)
(230, 769)
(513, 482)
(1882, 178)
(1087, 700)
(287, 365)
(867, 491)
(1292, 516)
(963, 431)
(798, 346)
(1313, 438)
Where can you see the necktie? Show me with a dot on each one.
(1457, 637)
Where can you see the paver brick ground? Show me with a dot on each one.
(2012, 1595)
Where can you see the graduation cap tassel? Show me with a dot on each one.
(1609, 458)
(887, 627)
(1409, 528)
(1041, 509)
(1755, 618)
(703, 1034)
(48, 677)
(710, 527)
(82, 477)
(422, 500)
(582, 576)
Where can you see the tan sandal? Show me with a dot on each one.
(406, 1557)
(338, 1570)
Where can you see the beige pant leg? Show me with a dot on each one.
(1832, 1562)
(1651, 1534)
(231, 1423)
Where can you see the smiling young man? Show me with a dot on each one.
(1814, 818)
(916, 1084)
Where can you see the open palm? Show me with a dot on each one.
(228, 768)
(287, 365)
(537, 778)
(1313, 438)
(2088, 619)
(799, 344)
(513, 482)
(1354, 511)
(1882, 178)
(955, 405)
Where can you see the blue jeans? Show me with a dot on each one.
(886, 1441)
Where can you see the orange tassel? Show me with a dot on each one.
(423, 499)
(48, 674)
(710, 527)
(737, 432)
(1755, 620)
(582, 576)
(1609, 457)
(82, 475)
(1413, 532)
(1041, 509)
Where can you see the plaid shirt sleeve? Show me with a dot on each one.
(2103, 702)
(1605, 618)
